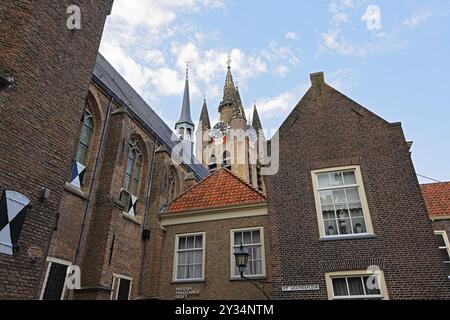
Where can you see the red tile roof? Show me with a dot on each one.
(220, 189)
(437, 198)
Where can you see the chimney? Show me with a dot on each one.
(317, 79)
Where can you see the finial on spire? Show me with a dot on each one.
(229, 61)
(187, 69)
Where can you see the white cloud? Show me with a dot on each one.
(281, 71)
(417, 19)
(291, 35)
(332, 41)
(372, 18)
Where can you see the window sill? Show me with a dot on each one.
(348, 237)
(75, 191)
(188, 281)
(131, 218)
(256, 278)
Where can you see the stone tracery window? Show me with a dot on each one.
(133, 168)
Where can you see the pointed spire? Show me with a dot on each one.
(256, 123)
(204, 117)
(186, 105)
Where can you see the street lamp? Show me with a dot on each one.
(241, 256)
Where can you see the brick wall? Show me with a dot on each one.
(327, 129)
(217, 284)
(40, 115)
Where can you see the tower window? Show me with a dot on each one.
(212, 163)
(226, 162)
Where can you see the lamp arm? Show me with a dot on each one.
(257, 286)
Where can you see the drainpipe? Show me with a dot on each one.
(93, 179)
(147, 206)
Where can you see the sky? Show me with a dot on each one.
(393, 57)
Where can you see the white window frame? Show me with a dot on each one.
(119, 277)
(50, 261)
(263, 253)
(446, 241)
(175, 258)
(359, 273)
(362, 195)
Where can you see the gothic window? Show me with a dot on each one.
(172, 187)
(133, 168)
(81, 158)
(85, 138)
(226, 162)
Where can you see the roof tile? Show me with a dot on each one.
(437, 198)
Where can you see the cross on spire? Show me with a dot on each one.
(229, 61)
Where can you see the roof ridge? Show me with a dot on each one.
(434, 183)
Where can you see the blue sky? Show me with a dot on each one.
(393, 57)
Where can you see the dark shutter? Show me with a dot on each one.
(55, 282)
(124, 289)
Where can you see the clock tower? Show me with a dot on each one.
(232, 141)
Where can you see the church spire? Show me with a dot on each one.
(186, 105)
(204, 117)
(256, 122)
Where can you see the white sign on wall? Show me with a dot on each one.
(311, 287)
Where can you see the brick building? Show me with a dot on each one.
(44, 74)
(353, 204)
(203, 228)
(122, 175)
(437, 199)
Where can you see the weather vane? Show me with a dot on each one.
(229, 60)
(187, 68)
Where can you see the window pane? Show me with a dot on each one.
(330, 227)
(182, 258)
(257, 253)
(237, 238)
(257, 266)
(181, 272)
(372, 285)
(256, 237)
(324, 180)
(197, 271)
(339, 196)
(190, 257)
(349, 178)
(340, 287)
(344, 226)
(356, 210)
(359, 225)
(199, 242)
(190, 242)
(342, 211)
(85, 135)
(198, 257)
(247, 237)
(444, 254)
(440, 240)
(130, 162)
(356, 286)
(182, 243)
(328, 212)
(353, 195)
(336, 179)
(127, 181)
(82, 154)
(326, 197)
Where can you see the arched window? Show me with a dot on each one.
(212, 164)
(134, 165)
(189, 134)
(172, 188)
(226, 162)
(85, 138)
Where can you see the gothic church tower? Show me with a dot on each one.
(232, 142)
